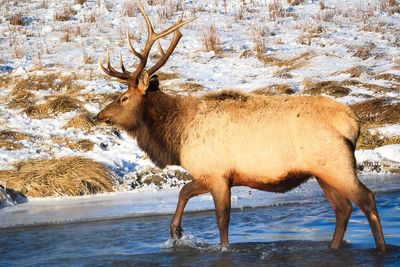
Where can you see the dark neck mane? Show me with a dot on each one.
(165, 118)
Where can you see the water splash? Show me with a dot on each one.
(187, 241)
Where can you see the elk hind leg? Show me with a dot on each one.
(342, 208)
(188, 191)
(352, 189)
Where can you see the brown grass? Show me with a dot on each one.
(53, 106)
(54, 80)
(21, 99)
(80, 145)
(190, 87)
(354, 71)
(275, 89)
(128, 8)
(275, 9)
(65, 14)
(210, 39)
(100, 98)
(377, 111)
(17, 20)
(68, 176)
(295, 2)
(388, 76)
(81, 121)
(331, 88)
(371, 141)
(162, 76)
(364, 52)
(9, 139)
(80, 2)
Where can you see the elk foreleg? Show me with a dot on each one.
(188, 191)
(221, 193)
(342, 208)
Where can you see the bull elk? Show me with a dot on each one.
(231, 138)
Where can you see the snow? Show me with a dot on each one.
(332, 51)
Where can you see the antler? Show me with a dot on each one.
(152, 36)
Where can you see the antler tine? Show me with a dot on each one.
(128, 39)
(160, 48)
(175, 39)
(121, 63)
(146, 18)
(111, 71)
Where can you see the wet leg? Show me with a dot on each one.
(353, 190)
(188, 191)
(221, 193)
(342, 208)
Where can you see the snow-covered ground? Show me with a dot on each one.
(327, 39)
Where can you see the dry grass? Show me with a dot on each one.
(371, 141)
(9, 139)
(370, 86)
(275, 9)
(377, 112)
(190, 87)
(80, 2)
(128, 8)
(275, 89)
(354, 71)
(53, 80)
(100, 98)
(210, 39)
(21, 98)
(53, 106)
(68, 176)
(80, 145)
(295, 2)
(162, 76)
(390, 6)
(364, 52)
(81, 121)
(331, 88)
(17, 20)
(65, 14)
(388, 76)
(167, 9)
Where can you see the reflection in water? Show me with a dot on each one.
(294, 234)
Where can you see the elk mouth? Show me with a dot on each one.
(105, 121)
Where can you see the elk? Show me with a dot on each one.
(232, 138)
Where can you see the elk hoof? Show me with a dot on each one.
(175, 232)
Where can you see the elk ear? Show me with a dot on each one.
(154, 83)
(144, 82)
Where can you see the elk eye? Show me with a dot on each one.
(124, 98)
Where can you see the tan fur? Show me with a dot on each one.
(266, 137)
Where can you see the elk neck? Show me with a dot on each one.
(164, 122)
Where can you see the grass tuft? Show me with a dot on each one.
(9, 139)
(275, 89)
(67, 176)
(371, 141)
(81, 121)
(377, 112)
(53, 106)
(331, 88)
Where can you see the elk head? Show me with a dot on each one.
(126, 110)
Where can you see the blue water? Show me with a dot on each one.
(295, 234)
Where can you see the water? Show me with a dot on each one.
(285, 233)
